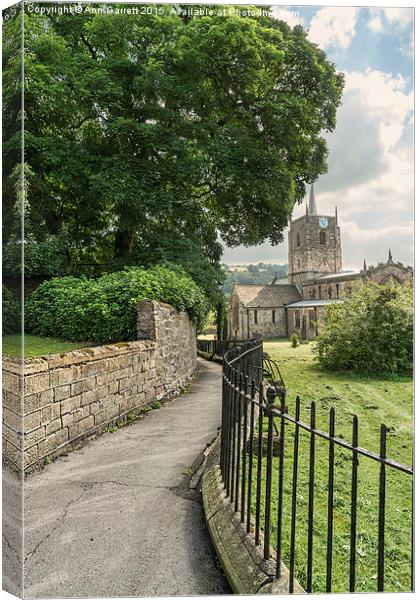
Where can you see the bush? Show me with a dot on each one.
(104, 310)
(294, 338)
(11, 311)
(371, 332)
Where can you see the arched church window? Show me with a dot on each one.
(255, 317)
(329, 292)
(322, 237)
(298, 263)
(337, 287)
(298, 239)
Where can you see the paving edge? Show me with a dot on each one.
(243, 563)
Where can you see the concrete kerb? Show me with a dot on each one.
(242, 561)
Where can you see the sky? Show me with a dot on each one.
(371, 154)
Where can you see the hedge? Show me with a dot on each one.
(11, 311)
(104, 310)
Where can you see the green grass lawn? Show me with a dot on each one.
(37, 346)
(375, 400)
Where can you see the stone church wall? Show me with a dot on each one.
(73, 395)
(333, 290)
(383, 272)
(264, 325)
(309, 322)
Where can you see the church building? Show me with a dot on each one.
(316, 279)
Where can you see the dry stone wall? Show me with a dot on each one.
(68, 397)
(175, 337)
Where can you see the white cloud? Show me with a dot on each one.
(399, 19)
(282, 14)
(357, 234)
(371, 169)
(371, 152)
(385, 99)
(333, 27)
(375, 24)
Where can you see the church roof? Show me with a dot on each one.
(309, 303)
(267, 296)
(333, 277)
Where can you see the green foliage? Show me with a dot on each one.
(45, 258)
(157, 132)
(371, 332)
(10, 311)
(222, 321)
(261, 273)
(104, 310)
(294, 338)
(175, 248)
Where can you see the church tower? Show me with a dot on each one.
(314, 244)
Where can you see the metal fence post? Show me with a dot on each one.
(240, 472)
(270, 396)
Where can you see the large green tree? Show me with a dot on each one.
(148, 136)
(372, 331)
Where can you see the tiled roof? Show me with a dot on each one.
(267, 296)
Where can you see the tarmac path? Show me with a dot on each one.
(118, 517)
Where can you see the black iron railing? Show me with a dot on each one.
(251, 408)
(219, 347)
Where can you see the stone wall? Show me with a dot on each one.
(176, 348)
(309, 324)
(243, 563)
(70, 396)
(12, 386)
(267, 325)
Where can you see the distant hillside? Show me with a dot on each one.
(252, 274)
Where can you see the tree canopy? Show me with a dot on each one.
(150, 137)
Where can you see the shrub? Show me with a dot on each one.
(11, 311)
(104, 310)
(370, 332)
(294, 338)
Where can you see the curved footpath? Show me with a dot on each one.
(119, 516)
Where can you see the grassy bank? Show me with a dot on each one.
(37, 346)
(375, 400)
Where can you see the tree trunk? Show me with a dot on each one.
(124, 241)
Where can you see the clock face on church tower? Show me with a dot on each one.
(323, 222)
